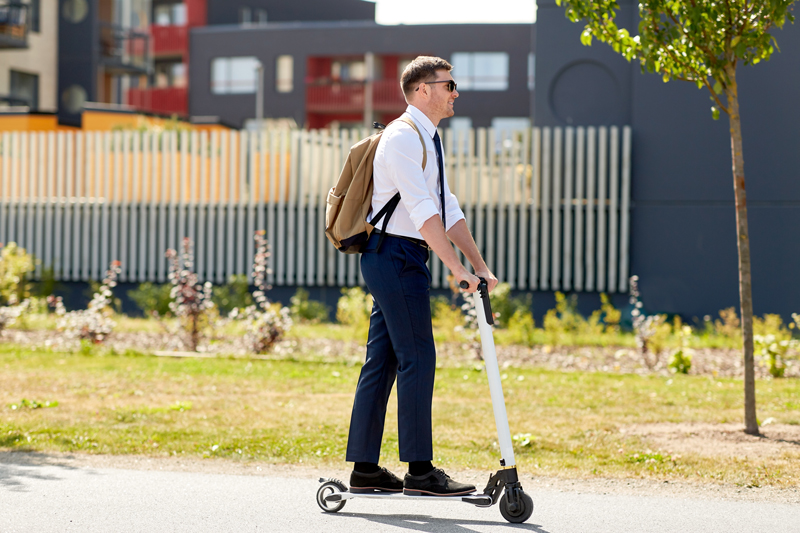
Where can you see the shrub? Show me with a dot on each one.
(353, 309)
(447, 318)
(680, 362)
(235, 294)
(307, 311)
(15, 265)
(521, 327)
(9, 314)
(773, 343)
(651, 331)
(564, 319)
(191, 302)
(729, 326)
(93, 324)
(152, 299)
(267, 323)
(504, 305)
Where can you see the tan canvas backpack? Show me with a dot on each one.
(350, 200)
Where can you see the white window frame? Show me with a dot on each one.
(223, 70)
(284, 64)
(470, 73)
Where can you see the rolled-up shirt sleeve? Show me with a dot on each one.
(453, 213)
(404, 166)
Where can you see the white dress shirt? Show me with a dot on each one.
(398, 167)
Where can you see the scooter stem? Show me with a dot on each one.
(481, 298)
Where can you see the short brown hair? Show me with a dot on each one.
(423, 68)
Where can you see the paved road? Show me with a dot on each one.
(64, 498)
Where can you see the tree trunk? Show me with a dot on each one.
(743, 241)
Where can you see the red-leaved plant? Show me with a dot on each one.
(191, 301)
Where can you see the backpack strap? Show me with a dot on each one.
(387, 210)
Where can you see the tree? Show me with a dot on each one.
(702, 42)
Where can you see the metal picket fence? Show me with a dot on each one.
(549, 208)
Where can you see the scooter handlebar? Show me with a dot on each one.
(483, 288)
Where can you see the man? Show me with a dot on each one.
(400, 343)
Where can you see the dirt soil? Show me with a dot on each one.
(706, 361)
(720, 440)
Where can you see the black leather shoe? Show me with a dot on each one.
(380, 481)
(434, 483)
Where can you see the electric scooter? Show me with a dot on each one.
(503, 486)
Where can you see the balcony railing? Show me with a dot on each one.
(349, 97)
(160, 100)
(123, 50)
(170, 40)
(13, 25)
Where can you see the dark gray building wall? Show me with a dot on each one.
(331, 39)
(683, 240)
(225, 12)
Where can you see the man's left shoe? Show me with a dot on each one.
(380, 481)
(435, 483)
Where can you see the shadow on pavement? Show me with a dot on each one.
(17, 466)
(429, 524)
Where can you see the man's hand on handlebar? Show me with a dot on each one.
(467, 281)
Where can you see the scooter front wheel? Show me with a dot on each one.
(522, 513)
(326, 489)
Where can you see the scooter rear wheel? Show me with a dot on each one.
(329, 487)
(520, 515)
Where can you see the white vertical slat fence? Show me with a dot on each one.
(549, 208)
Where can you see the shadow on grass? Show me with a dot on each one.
(430, 524)
(19, 465)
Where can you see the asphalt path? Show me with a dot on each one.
(64, 498)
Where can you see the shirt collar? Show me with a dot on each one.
(422, 119)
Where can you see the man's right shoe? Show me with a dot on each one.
(380, 481)
(435, 483)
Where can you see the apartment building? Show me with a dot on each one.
(29, 55)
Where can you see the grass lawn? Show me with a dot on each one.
(565, 423)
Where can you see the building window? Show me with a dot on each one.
(261, 16)
(25, 88)
(245, 15)
(481, 71)
(284, 75)
(170, 74)
(170, 15)
(531, 71)
(34, 8)
(349, 71)
(234, 75)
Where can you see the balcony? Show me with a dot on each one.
(123, 50)
(170, 40)
(349, 97)
(160, 100)
(13, 25)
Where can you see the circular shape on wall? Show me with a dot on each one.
(586, 93)
(73, 98)
(74, 11)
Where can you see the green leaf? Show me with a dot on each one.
(715, 112)
(718, 88)
(735, 41)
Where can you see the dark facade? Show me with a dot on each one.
(227, 12)
(683, 231)
(94, 52)
(307, 41)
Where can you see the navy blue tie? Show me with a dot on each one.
(437, 141)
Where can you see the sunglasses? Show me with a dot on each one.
(451, 85)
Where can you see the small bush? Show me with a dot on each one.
(447, 320)
(307, 311)
(152, 299)
(504, 305)
(191, 301)
(353, 309)
(521, 327)
(93, 324)
(564, 319)
(233, 295)
(680, 362)
(267, 323)
(773, 343)
(15, 266)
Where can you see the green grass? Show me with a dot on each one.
(298, 412)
